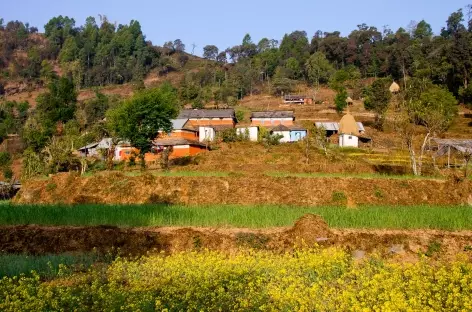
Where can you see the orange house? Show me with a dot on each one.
(272, 118)
(183, 140)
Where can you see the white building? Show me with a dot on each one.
(251, 131)
(348, 131)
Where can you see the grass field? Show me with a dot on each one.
(370, 217)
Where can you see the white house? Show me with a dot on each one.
(206, 133)
(251, 131)
(282, 130)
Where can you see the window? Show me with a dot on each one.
(350, 137)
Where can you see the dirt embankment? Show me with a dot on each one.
(247, 190)
(309, 230)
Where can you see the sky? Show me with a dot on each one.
(224, 24)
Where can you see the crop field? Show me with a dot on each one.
(306, 280)
(265, 216)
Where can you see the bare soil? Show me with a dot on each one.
(309, 231)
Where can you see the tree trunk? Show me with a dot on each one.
(420, 161)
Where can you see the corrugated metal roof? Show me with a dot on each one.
(206, 113)
(273, 114)
(328, 126)
(178, 124)
(334, 126)
(360, 126)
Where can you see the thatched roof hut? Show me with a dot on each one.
(348, 125)
(349, 101)
(394, 88)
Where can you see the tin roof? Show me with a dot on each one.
(273, 114)
(334, 126)
(179, 123)
(206, 113)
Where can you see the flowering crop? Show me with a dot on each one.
(304, 280)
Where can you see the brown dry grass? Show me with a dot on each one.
(245, 190)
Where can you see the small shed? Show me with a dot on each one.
(449, 146)
(282, 130)
(349, 101)
(394, 88)
(93, 149)
(348, 132)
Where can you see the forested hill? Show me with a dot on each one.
(99, 53)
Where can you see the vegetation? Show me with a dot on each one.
(318, 280)
(46, 266)
(140, 118)
(408, 217)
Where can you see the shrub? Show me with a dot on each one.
(338, 196)
(5, 159)
(8, 173)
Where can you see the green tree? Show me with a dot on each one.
(318, 69)
(58, 104)
(96, 108)
(139, 118)
(379, 99)
(434, 108)
(340, 100)
(210, 52)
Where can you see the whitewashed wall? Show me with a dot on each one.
(206, 134)
(346, 140)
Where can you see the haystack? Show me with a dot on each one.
(348, 125)
(394, 88)
(349, 101)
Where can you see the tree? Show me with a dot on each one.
(340, 100)
(378, 99)
(58, 104)
(139, 118)
(96, 108)
(210, 52)
(434, 108)
(318, 69)
(178, 46)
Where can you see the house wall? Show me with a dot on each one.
(211, 122)
(206, 134)
(285, 134)
(297, 135)
(186, 134)
(253, 132)
(346, 140)
(123, 153)
(269, 122)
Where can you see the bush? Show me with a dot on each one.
(8, 173)
(5, 159)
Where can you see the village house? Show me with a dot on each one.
(272, 118)
(349, 131)
(297, 99)
(122, 151)
(289, 133)
(209, 121)
(251, 132)
(183, 141)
